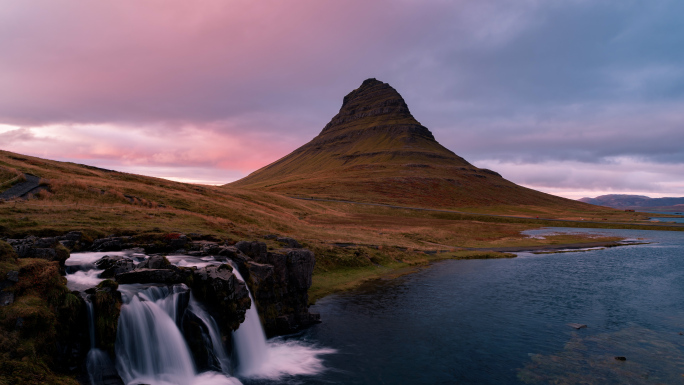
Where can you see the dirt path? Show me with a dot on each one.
(21, 189)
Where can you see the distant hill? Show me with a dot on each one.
(375, 150)
(621, 201)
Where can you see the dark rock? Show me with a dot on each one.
(13, 276)
(45, 243)
(114, 265)
(255, 250)
(107, 302)
(300, 265)
(6, 298)
(280, 289)
(178, 243)
(270, 236)
(621, 358)
(291, 243)
(108, 261)
(165, 276)
(219, 288)
(74, 236)
(43, 253)
(154, 262)
(68, 243)
(260, 274)
(210, 248)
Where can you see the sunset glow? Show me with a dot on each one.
(209, 92)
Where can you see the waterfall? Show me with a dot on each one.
(151, 348)
(98, 363)
(276, 358)
(217, 349)
(250, 340)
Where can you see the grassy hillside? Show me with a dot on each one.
(374, 150)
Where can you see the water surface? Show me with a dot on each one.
(505, 321)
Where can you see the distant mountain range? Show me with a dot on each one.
(622, 201)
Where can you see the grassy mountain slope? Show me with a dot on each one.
(374, 150)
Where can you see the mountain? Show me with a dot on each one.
(621, 201)
(374, 150)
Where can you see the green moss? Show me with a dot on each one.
(7, 253)
(107, 306)
(108, 284)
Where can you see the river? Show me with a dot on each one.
(505, 321)
(498, 321)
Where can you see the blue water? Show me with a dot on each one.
(505, 321)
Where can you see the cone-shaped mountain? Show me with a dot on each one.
(375, 150)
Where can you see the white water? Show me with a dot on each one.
(217, 348)
(250, 340)
(151, 348)
(273, 359)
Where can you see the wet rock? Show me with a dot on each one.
(621, 358)
(154, 262)
(107, 302)
(210, 248)
(165, 276)
(577, 326)
(219, 289)
(291, 243)
(114, 265)
(280, 289)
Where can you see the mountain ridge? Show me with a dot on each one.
(373, 149)
(624, 201)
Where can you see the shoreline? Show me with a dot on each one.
(389, 272)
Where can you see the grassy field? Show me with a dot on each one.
(103, 202)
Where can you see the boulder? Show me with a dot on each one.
(291, 243)
(165, 276)
(219, 289)
(107, 302)
(154, 262)
(255, 250)
(114, 265)
(300, 265)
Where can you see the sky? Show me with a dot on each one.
(571, 97)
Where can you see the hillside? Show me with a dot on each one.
(374, 150)
(621, 201)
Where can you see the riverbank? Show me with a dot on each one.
(398, 262)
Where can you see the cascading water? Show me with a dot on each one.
(151, 347)
(218, 351)
(273, 359)
(250, 340)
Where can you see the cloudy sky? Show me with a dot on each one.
(576, 98)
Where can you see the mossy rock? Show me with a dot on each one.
(7, 253)
(107, 306)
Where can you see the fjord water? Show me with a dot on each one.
(504, 321)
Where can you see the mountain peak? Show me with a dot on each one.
(374, 104)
